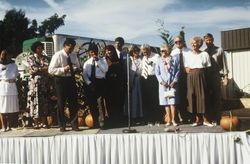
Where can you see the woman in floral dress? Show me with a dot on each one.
(38, 95)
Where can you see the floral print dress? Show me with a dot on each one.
(38, 94)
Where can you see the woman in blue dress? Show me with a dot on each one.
(167, 73)
(135, 83)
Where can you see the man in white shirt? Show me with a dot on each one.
(62, 66)
(180, 51)
(94, 73)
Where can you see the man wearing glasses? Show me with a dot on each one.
(179, 51)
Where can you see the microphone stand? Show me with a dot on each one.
(129, 130)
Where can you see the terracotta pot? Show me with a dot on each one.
(50, 120)
(89, 121)
(229, 122)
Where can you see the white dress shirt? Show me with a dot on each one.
(59, 61)
(118, 53)
(177, 51)
(100, 71)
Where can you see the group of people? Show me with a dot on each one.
(185, 82)
(190, 81)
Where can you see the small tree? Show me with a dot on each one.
(164, 33)
(1, 34)
(33, 29)
(15, 28)
(48, 26)
(182, 34)
(15, 25)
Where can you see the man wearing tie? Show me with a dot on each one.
(94, 74)
(62, 66)
(122, 55)
(179, 51)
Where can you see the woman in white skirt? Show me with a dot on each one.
(8, 90)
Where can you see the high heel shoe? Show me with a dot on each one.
(194, 124)
(3, 130)
(208, 124)
(174, 123)
(168, 124)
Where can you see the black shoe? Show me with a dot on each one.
(75, 128)
(103, 127)
(95, 127)
(62, 129)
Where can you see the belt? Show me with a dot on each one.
(100, 78)
(8, 80)
(194, 69)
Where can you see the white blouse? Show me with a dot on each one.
(8, 72)
(201, 60)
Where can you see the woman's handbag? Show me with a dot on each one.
(169, 93)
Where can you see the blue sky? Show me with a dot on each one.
(135, 20)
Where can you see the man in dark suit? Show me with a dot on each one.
(122, 55)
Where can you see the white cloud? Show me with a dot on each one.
(111, 18)
(53, 4)
(212, 16)
(135, 19)
(4, 5)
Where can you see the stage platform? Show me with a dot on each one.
(150, 145)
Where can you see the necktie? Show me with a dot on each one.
(70, 65)
(145, 69)
(182, 68)
(92, 75)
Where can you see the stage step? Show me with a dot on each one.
(236, 103)
(243, 115)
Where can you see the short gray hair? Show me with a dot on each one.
(180, 37)
(145, 46)
(166, 46)
(198, 40)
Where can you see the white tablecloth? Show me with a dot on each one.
(162, 148)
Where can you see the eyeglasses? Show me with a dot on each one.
(178, 41)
